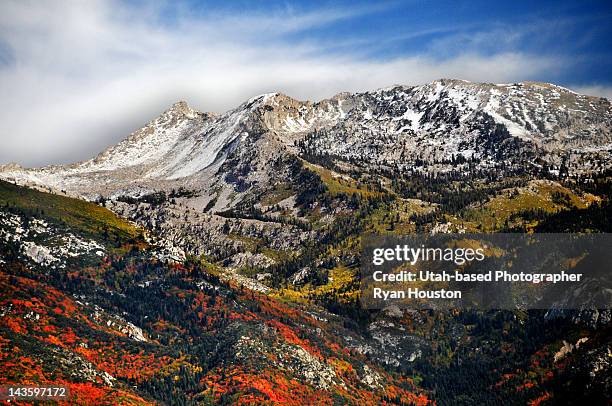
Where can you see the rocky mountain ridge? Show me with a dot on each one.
(531, 126)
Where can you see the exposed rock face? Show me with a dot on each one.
(43, 244)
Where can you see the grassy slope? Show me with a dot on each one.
(537, 196)
(86, 217)
(337, 183)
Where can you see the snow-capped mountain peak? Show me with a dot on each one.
(405, 127)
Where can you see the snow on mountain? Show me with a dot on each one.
(179, 143)
(148, 144)
(434, 122)
(402, 126)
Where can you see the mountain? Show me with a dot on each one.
(69, 317)
(263, 153)
(89, 303)
(224, 250)
(419, 128)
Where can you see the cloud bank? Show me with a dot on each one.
(79, 76)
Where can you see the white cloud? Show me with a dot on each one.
(82, 75)
(594, 90)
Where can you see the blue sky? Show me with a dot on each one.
(84, 74)
(579, 33)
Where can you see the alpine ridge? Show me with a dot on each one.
(523, 126)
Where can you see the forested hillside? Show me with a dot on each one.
(121, 323)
